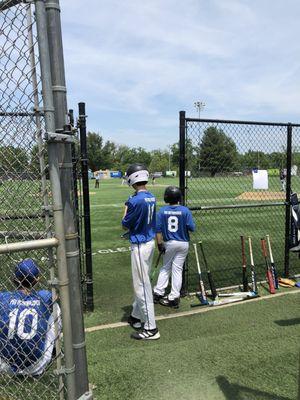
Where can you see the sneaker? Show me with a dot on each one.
(156, 298)
(169, 303)
(135, 323)
(151, 334)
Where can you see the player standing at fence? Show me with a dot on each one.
(27, 324)
(139, 217)
(174, 222)
(282, 176)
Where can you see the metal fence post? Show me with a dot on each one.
(182, 155)
(182, 144)
(71, 234)
(86, 208)
(287, 199)
(56, 197)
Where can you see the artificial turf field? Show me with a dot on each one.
(245, 351)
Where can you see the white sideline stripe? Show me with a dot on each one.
(199, 310)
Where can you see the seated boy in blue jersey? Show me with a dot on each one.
(174, 222)
(139, 219)
(27, 329)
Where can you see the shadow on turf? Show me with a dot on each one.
(288, 322)
(233, 391)
(127, 312)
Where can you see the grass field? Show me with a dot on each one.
(247, 351)
(244, 351)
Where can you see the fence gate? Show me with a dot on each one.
(36, 210)
(217, 161)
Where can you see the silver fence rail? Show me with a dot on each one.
(36, 213)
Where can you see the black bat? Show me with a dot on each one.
(253, 274)
(273, 267)
(244, 265)
(213, 289)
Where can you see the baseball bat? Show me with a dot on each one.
(252, 268)
(235, 299)
(213, 289)
(269, 273)
(203, 298)
(273, 267)
(155, 266)
(244, 265)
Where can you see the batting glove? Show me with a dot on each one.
(161, 247)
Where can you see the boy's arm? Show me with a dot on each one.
(190, 222)
(129, 216)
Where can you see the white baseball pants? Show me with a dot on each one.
(141, 261)
(173, 261)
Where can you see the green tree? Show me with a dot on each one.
(159, 161)
(13, 159)
(94, 150)
(218, 152)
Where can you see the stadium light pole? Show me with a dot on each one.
(169, 147)
(199, 105)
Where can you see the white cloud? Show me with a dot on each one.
(136, 64)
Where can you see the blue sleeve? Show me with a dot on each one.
(190, 222)
(129, 219)
(158, 223)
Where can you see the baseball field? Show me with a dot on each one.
(249, 350)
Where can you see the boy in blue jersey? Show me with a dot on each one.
(174, 222)
(139, 218)
(29, 324)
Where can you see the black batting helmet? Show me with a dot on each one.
(172, 195)
(136, 173)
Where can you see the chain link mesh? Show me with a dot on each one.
(220, 158)
(27, 334)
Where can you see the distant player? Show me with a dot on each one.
(139, 219)
(282, 176)
(174, 222)
(27, 328)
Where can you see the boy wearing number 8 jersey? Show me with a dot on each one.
(29, 324)
(139, 218)
(174, 222)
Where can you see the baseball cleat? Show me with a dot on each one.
(169, 303)
(156, 298)
(151, 334)
(135, 323)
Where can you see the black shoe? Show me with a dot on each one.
(135, 323)
(169, 303)
(156, 298)
(151, 334)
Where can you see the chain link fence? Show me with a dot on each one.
(219, 160)
(35, 362)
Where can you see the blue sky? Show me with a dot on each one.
(137, 63)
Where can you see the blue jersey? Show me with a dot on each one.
(175, 222)
(140, 218)
(23, 327)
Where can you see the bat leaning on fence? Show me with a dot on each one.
(252, 268)
(244, 265)
(273, 267)
(202, 294)
(268, 268)
(213, 289)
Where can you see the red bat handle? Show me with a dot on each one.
(263, 247)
